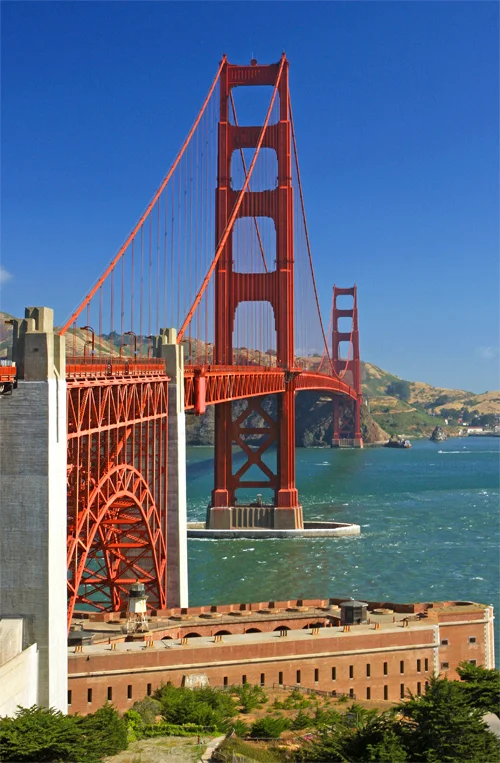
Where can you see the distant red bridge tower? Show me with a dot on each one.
(346, 412)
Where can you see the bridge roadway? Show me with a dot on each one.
(206, 385)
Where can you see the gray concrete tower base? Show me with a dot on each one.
(33, 437)
(166, 347)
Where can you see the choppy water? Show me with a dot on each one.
(429, 521)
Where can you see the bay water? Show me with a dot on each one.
(429, 520)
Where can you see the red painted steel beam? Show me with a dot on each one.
(226, 383)
(310, 380)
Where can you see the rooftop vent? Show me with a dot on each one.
(353, 612)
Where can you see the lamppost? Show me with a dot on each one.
(150, 346)
(90, 341)
(132, 333)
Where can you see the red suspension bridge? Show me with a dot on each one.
(222, 254)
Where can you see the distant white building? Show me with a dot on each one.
(475, 430)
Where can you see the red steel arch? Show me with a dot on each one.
(117, 491)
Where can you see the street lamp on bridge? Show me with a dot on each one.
(90, 341)
(132, 333)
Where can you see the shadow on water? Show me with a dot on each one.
(199, 468)
(206, 465)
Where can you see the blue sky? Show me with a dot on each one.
(396, 108)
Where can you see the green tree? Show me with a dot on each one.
(442, 726)
(105, 732)
(480, 686)
(250, 696)
(387, 746)
(373, 737)
(240, 728)
(450, 413)
(487, 420)
(399, 389)
(468, 416)
(268, 728)
(440, 400)
(301, 721)
(358, 735)
(39, 734)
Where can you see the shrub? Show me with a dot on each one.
(268, 728)
(206, 707)
(164, 729)
(399, 389)
(135, 725)
(241, 729)
(148, 708)
(250, 697)
(301, 721)
(237, 749)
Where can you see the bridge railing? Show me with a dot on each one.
(89, 367)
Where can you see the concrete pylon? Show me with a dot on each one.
(166, 347)
(33, 511)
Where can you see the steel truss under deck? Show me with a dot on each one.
(117, 490)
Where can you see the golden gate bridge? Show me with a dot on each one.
(219, 264)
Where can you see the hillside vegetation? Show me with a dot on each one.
(376, 381)
(406, 407)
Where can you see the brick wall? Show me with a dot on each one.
(374, 661)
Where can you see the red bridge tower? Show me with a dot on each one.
(275, 287)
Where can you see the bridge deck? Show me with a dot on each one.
(206, 385)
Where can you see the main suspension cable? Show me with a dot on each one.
(155, 198)
(308, 243)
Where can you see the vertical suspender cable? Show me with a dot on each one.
(122, 250)
(307, 234)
